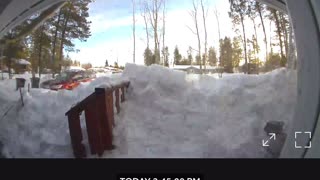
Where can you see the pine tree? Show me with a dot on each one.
(176, 56)
(107, 64)
(116, 64)
(212, 59)
(148, 57)
(236, 51)
(226, 55)
(198, 60)
(75, 25)
(166, 56)
(41, 43)
(189, 60)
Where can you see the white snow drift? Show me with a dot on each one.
(167, 114)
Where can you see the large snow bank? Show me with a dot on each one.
(167, 114)
(40, 128)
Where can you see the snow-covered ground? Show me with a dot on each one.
(167, 114)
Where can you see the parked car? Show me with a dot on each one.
(68, 80)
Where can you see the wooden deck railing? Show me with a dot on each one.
(99, 117)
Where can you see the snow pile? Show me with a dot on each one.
(167, 114)
(40, 128)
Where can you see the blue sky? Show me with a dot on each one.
(112, 30)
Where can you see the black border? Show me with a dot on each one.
(108, 169)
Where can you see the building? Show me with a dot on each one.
(22, 65)
(195, 69)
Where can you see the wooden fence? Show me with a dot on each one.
(99, 117)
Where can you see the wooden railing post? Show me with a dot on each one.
(93, 128)
(99, 116)
(122, 94)
(117, 100)
(76, 134)
(106, 123)
(110, 110)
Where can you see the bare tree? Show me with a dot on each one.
(134, 30)
(153, 16)
(284, 26)
(194, 15)
(252, 14)
(216, 13)
(260, 10)
(278, 26)
(238, 9)
(204, 17)
(145, 18)
(163, 30)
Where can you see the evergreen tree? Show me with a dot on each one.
(166, 56)
(273, 62)
(107, 64)
(212, 58)
(226, 55)
(236, 51)
(198, 60)
(176, 56)
(74, 24)
(116, 65)
(148, 57)
(41, 43)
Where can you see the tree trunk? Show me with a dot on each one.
(195, 16)
(256, 49)
(146, 25)
(155, 31)
(54, 43)
(134, 31)
(285, 31)
(244, 44)
(40, 51)
(62, 38)
(205, 36)
(291, 55)
(9, 67)
(271, 49)
(263, 27)
(280, 37)
(217, 17)
(163, 33)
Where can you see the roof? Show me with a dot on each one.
(23, 62)
(75, 68)
(193, 66)
(14, 12)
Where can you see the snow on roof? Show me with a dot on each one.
(193, 66)
(23, 62)
(76, 68)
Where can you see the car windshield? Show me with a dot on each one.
(64, 76)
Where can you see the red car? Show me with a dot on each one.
(68, 80)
